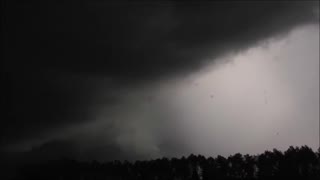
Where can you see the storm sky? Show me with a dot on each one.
(117, 80)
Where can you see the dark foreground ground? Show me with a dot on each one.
(295, 163)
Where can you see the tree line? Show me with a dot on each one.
(295, 162)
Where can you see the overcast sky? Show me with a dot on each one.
(101, 80)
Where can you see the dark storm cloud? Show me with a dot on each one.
(128, 43)
(132, 40)
(38, 100)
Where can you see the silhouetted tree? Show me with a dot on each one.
(222, 167)
(237, 166)
(249, 167)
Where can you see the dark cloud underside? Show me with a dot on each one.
(132, 40)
